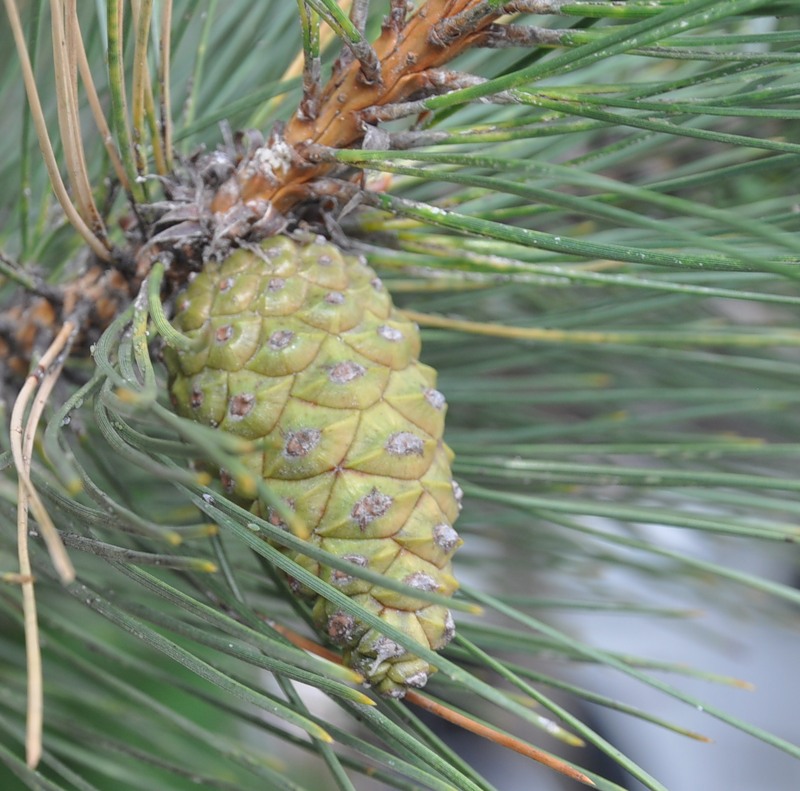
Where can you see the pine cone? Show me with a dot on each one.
(306, 353)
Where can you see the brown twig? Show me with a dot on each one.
(409, 58)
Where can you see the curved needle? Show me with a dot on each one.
(22, 437)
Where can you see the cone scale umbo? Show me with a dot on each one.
(305, 354)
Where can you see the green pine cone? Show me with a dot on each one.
(307, 353)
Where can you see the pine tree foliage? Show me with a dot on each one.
(590, 210)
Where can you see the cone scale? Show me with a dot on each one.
(306, 355)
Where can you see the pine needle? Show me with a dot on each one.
(98, 246)
(450, 715)
(22, 439)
